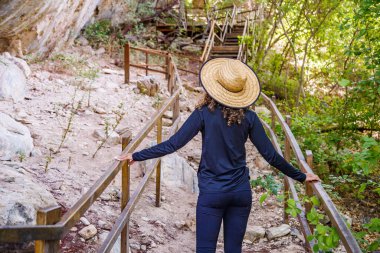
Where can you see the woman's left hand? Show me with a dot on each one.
(127, 156)
(310, 177)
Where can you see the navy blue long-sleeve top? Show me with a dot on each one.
(223, 166)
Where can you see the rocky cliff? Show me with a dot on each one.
(40, 26)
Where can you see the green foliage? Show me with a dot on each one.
(372, 227)
(99, 32)
(267, 182)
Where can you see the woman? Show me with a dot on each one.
(226, 123)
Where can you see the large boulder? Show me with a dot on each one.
(39, 26)
(12, 77)
(177, 172)
(21, 197)
(15, 138)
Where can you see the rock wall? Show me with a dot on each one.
(39, 26)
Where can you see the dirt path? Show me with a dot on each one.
(70, 172)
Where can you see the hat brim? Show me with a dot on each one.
(241, 99)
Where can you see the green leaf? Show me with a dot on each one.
(310, 238)
(344, 82)
(315, 248)
(263, 197)
(314, 200)
(374, 246)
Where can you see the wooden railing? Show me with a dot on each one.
(218, 30)
(312, 188)
(51, 227)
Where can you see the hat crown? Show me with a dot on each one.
(232, 76)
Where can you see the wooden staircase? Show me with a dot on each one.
(230, 47)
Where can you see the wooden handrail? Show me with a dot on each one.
(344, 232)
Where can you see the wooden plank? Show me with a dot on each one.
(126, 63)
(125, 192)
(225, 49)
(25, 233)
(150, 69)
(158, 170)
(48, 216)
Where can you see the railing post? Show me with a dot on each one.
(176, 109)
(287, 142)
(167, 62)
(287, 158)
(309, 189)
(48, 216)
(126, 63)
(146, 63)
(158, 169)
(125, 192)
(273, 116)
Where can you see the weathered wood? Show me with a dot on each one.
(273, 115)
(309, 189)
(146, 62)
(125, 192)
(126, 63)
(150, 69)
(287, 141)
(158, 170)
(48, 216)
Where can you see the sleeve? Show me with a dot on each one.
(263, 144)
(189, 129)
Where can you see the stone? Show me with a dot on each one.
(85, 221)
(23, 65)
(143, 247)
(104, 225)
(148, 85)
(179, 42)
(176, 171)
(295, 232)
(88, 232)
(113, 138)
(254, 232)
(275, 232)
(192, 49)
(100, 51)
(21, 197)
(15, 138)
(82, 41)
(74, 229)
(12, 80)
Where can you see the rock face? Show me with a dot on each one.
(20, 198)
(13, 73)
(38, 26)
(15, 138)
(177, 172)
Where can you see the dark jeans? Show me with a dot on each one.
(231, 207)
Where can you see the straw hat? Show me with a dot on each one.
(230, 82)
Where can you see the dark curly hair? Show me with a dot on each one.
(232, 115)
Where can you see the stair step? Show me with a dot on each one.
(233, 35)
(225, 49)
(223, 56)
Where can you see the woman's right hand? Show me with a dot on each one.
(127, 156)
(310, 177)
